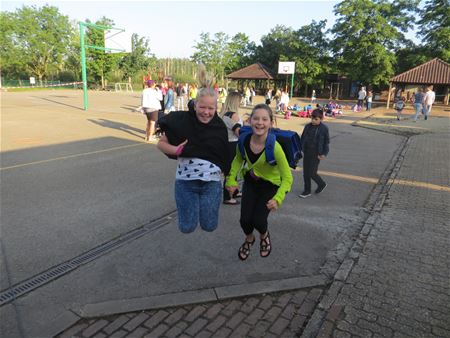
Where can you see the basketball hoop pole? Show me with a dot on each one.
(83, 55)
(292, 84)
(83, 67)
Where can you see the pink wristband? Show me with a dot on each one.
(179, 150)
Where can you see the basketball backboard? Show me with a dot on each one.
(286, 67)
(117, 41)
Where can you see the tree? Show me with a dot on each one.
(312, 63)
(307, 47)
(34, 40)
(213, 52)
(434, 28)
(140, 57)
(240, 52)
(11, 64)
(366, 34)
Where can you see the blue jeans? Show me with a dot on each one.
(418, 108)
(426, 110)
(198, 202)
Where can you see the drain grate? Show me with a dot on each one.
(57, 271)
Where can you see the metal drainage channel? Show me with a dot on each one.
(57, 271)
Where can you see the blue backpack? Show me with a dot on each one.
(289, 141)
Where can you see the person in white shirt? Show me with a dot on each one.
(284, 101)
(361, 96)
(428, 101)
(150, 105)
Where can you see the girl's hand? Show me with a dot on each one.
(321, 157)
(272, 205)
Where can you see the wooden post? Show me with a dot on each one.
(389, 95)
(446, 96)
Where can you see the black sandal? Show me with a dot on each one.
(244, 250)
(265, 246)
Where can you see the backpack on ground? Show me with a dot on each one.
(289, 140)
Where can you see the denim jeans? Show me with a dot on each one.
(198, 202)
(418, 108)
(426, 110)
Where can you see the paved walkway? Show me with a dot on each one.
(400, 283)
(394, 282)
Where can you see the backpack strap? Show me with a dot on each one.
(244, 133)
(270, 148)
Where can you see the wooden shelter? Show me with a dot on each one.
(256, 71)
(434, 72)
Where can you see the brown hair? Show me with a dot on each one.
(265, 107)
(317, 113)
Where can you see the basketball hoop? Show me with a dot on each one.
(117, 41)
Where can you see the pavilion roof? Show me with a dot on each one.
(256, 71)
(434, 71)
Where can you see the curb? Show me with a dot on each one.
(215, 294)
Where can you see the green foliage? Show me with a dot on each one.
(139, 59)
(34, 40)
(239, 53)
(222, 54)
(10, 62)
(307, 47)
(434, 28)
(366, 34)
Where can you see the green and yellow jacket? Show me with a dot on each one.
(279, 174)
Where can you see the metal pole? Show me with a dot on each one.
(83, 67)
(292, 84)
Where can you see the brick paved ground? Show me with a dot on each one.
(400, 283)
(271, 315)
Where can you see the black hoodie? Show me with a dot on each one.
(207, 141)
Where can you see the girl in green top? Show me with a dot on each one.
(265, 186)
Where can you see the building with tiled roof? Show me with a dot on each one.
(435, 72)
(256, 71)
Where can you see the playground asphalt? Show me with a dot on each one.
(365, 258)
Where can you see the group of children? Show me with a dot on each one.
(205, 148)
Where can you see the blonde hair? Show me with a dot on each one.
(206, 82)
(231, 103)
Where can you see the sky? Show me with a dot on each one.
(174, 27)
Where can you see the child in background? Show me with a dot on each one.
(233, 121)
(315, 143)
(150, 103)
(399, 105)
(265, 186)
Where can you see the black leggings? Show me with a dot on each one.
(254, 212)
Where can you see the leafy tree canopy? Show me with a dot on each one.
(34, 39)
(366, 34)
(434, 28)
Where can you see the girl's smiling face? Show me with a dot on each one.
(260, 122)
(205, 108)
